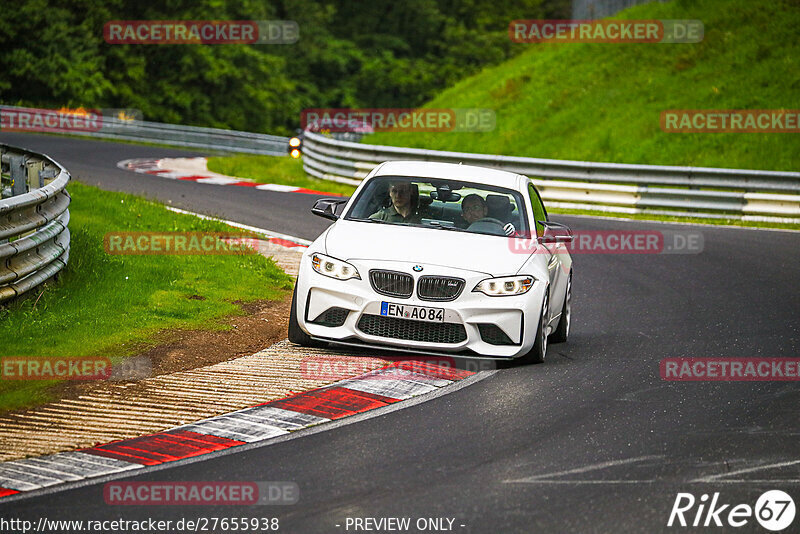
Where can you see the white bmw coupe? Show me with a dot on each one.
(436, 258)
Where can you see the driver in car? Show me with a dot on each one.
(402, 208)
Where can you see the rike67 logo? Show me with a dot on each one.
(774, 510)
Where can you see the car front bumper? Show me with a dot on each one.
(464, 317)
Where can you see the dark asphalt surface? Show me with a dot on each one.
(591, 441)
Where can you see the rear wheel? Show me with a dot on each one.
(562, 330)
(539, 350)
(296, 334)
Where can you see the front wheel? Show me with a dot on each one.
(539, 350)
(296, 334)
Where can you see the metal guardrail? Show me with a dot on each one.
(173, 134)
(764, 196)
(34, 238)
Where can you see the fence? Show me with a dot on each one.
(34, 238)
(764, 196)
(157, 132)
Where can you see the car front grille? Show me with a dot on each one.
(493, 335)
(392, 283)
(439, 288)
(332, 317)
(392, 327)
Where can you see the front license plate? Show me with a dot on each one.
(418, 313)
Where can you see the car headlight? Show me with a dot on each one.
(341, 270)
(505, 286)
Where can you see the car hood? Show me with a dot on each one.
(490, 254)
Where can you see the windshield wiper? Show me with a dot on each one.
(440, 226)
(379, 221)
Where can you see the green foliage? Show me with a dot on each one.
(51, 53)
(350, 54)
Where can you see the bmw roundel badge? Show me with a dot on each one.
(417, 268)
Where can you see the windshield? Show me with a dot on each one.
(441, 204)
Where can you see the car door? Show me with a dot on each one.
(556, 252)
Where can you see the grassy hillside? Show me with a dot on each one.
(602, 102)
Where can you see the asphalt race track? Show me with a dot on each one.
(591, 441)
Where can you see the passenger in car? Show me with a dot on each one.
(404, 204)
(474, 210)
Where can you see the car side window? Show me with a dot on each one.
(539, 212)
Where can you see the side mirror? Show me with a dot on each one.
(555, 233)
(326, 207)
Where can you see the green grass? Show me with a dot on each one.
(114, 305)
(602, 102)
(275, 170)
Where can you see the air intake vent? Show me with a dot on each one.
(493, 335)
(392, 327)
(439, 288)
(332, 317)
(392, 283)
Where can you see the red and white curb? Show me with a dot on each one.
(195, 170)
(382, 387)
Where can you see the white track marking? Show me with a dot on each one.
(277, 187)
(585, 469)
(718, 477)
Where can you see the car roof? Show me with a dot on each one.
(452, 171)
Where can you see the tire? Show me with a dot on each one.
(539, 351)
(296, 334)
(561, 332)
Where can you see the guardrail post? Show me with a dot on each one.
(35, 180)
(5, 190)
(46, 176)
(16, 165)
